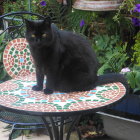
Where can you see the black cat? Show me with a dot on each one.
(66, 58)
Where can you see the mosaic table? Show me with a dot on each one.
(16, 95)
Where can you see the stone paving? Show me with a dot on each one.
(4, 135)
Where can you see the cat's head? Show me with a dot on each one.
(39, 32)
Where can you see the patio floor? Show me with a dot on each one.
(4, 135)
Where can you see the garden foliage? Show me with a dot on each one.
(136, 48)
(3, 73)
(111, 53)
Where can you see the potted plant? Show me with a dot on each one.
(123, 119)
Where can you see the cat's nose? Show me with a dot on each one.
(37, 40)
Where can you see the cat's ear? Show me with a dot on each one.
(47, 21)
(28, 23)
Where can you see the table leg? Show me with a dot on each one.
(56, 129)
(12, 131)
(48, 128)
(75, 120)
(10, 136)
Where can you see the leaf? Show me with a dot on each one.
(136, 68)
(3, 74)
(136, 90)
(2, 37)
(116, 61)
(138, 79)
(103, 68)
(16, 134)
(131, 79)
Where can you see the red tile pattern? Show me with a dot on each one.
(18, 94)
(8, 100)
(8, 86)
(17, 59)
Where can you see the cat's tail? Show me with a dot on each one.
(112, 77)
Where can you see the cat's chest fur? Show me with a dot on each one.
(45, 59)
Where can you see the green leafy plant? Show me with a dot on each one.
(136, 48)
(125, 19)
(124, 9)
(124, 27)
(76, 17)
(111, 53)
(52, 8)
(13, 6)
(57, 12)
(3, 73)
(133, 78)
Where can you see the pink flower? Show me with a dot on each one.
(124, 70)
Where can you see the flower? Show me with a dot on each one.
(137, 8)
(34, 1)
(138, 5)
(136, 21)
(82, 23)
(43, 3)
(124, 70)
(136, 12)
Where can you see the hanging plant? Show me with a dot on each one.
(125, 9)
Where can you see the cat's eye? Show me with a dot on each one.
(33, 35)
(44, 35)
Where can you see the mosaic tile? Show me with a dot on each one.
(17, 59)
(17, 94)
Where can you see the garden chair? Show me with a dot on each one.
(17, 62)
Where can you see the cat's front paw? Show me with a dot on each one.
(48, 91)
(37, 88)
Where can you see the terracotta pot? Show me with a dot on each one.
(97, 5)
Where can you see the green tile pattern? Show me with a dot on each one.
(17, 60)
(18, 94)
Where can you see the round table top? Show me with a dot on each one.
(17, 95)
